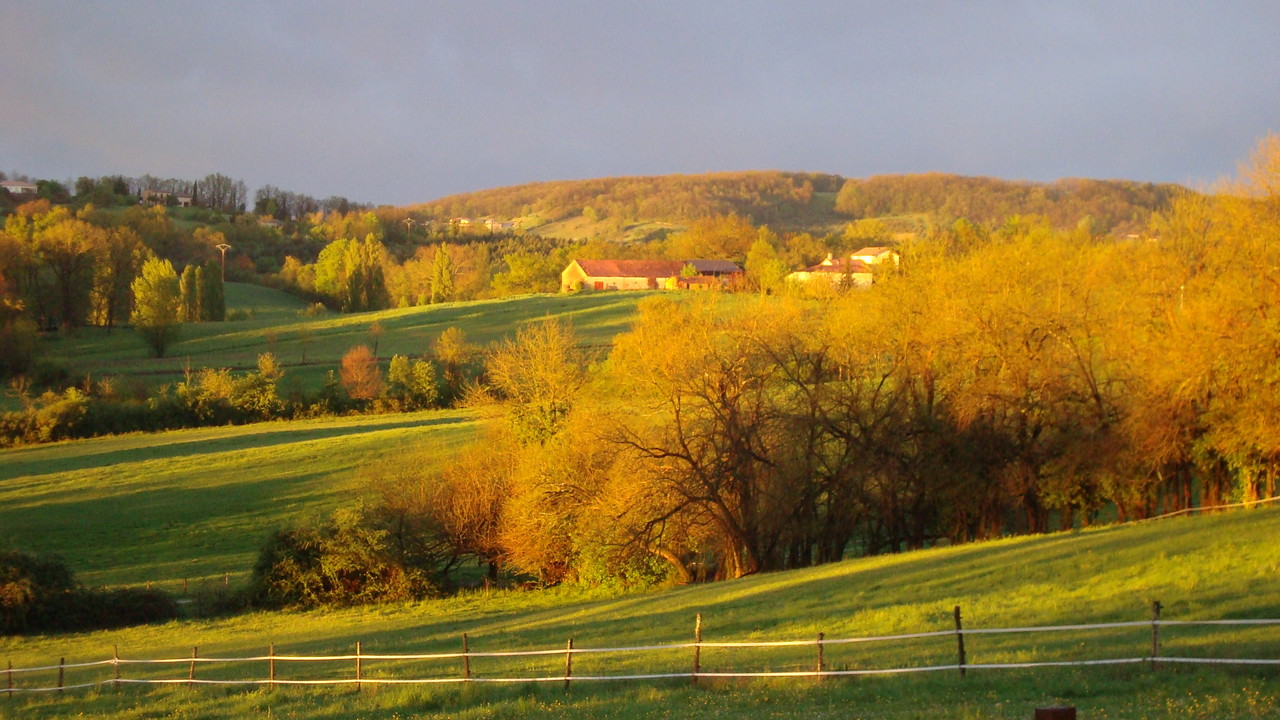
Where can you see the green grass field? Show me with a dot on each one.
(190, 502)
(277, 323)
(196, 504)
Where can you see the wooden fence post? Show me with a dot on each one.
(466, 659)
(697, 647)
(821, 659)
(960, 641)
(359, 678)
(191, 674)
(9, 681)
(61, 661)
(1155, 632)
(115, 661)
(568, 663)
(271, 665)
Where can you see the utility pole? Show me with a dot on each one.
(224, 248)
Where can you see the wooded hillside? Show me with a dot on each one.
(808, 201)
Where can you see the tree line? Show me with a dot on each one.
(1018, 381)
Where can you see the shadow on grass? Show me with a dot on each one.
(250, 437)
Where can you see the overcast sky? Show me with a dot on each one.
(404, 102)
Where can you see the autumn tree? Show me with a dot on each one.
(456, 357)
(118, 265)
(538, 372)
(157, 310)
(360, 373)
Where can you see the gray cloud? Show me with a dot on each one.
(406, 102)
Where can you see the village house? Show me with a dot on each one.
(646, 274)
(875, 255)
(849, 272)
(19, 188)
(160, 197)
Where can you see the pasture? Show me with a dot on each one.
(1212, 567)
(311, 345)
(197, 504)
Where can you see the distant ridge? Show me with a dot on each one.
(806, 201)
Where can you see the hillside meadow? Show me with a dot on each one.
(311, 345)
(1213, 567)
(197, 504)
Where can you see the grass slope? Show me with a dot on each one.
(195, 503)
(278, 325)
(1213, 567)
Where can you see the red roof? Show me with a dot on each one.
(631, 268)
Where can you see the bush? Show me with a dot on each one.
(412, 384)
(19, 341)
(347, 560)
(40, 594)
(30, 588)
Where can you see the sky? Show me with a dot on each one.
(405, 102)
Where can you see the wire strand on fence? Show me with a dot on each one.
(570, 650)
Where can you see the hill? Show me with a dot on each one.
(309, 345)
(1200, 568)
(637, 207)
(196, 504)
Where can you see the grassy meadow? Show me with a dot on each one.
(197, 504)
(1213, 567)
(310, 346)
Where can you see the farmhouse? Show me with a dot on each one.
(875, 255)
(18, 188)
(646, 274)
(620, 274)
(849, 272)
(161, 197)
(724, 269)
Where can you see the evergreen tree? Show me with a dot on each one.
(201, 313)
(213, 295)
(187, 290)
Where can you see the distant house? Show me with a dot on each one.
(161, 197)
(19, 188)
(646, 274)
(850, 270)
(715, 268)
(875, 255)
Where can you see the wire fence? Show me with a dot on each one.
(805, 658)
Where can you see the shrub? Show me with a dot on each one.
(346, 560)
(40, 594)
(19, 340)
(412, 384)
(30, 586)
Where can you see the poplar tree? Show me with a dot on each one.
(442, 276)
(187, 291)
